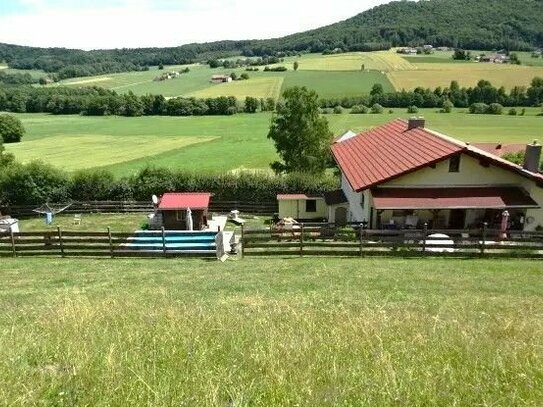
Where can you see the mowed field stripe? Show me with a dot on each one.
(73, 152)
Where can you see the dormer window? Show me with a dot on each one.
(454, 164)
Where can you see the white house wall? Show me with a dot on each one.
(356, 212)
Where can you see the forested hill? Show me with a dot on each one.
(472, 24)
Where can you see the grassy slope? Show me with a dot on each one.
(271, 332)
(241, 139)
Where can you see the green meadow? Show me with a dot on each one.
(219, 143)
(254, 332)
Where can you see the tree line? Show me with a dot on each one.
(96, 101)
(462, 97)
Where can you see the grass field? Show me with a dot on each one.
(303, 332)
(72, 152)
(263, 87)
(211, 143)
(432, 75)
(126, 222)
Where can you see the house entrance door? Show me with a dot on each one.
(457, 219)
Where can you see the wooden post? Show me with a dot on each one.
(110, 241)
(302, 240)
(163, 240)
(424, 233)
(483, 238)
(14, 251)
(242, 242)
(361, 238)
(60, 242)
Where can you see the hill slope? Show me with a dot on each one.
(474, 24)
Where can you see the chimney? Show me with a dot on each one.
(532, 157)
(415, 122)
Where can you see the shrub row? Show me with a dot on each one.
(37, 183)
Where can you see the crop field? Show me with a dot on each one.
(219, 143)
(380, 61)
(263, 87)
(256, 332)
(432, 75)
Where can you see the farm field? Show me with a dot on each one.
(302, 332)
(219, 143)
(261, 84)
(380, 61)
(432, 75)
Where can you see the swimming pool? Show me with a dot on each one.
(175, 241)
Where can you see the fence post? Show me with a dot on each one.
(424, 233)
(13, 243)
(242, 242)
(483, 238)
(110, 242)
(60, 242)
(302, 240)
(361, 239)
(163, 241)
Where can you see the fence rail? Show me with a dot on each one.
(91, 244)
(257, 208)
(331, 240)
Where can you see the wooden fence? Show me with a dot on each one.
(257, 208)
(65, 243)
(330, 240)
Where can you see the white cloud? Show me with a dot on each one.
(141, 23)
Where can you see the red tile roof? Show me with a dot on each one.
(193, 200)
(391, 150)
(451, 198)
(388, 151)
(500, 149)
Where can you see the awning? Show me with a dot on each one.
(452, 198)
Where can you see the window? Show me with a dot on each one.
(362, 199)
(454, 164)
(311, 205)
(180, 215)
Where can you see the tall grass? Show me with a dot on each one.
(271, 332)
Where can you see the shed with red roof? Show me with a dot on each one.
(174, 207)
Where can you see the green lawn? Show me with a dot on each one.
(220, 143)
(305, 332)
(94, 222)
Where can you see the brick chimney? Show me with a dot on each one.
(532, 157)
(415, 122)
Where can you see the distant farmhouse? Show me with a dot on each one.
(221, 79)
(166, 76)
(494, 59)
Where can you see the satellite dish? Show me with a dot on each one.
(155, 200)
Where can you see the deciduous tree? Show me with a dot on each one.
(301, 135)
(11, 129)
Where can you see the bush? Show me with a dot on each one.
(244, 76)
(478, 108)
(92, 185)
(447, 106)
(495, 108)
(11, 129)
(377, 109)
(412, 109)
(512, 112)
(360, 109)
(338, 110)
(327, 110)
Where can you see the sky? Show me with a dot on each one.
(161, 23)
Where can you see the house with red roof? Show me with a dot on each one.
(402, 175)
(176, 208)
